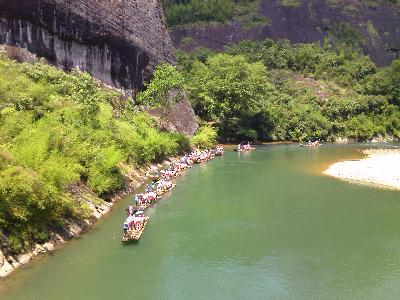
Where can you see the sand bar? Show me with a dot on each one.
(380, 167)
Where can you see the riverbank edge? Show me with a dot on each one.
(380, 167)
(73, 228)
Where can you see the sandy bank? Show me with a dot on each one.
(380, 167)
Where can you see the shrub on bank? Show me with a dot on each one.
(57, 129)
(205, 137)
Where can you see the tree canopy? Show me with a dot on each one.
(281, 91)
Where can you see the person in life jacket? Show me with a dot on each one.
(126, 227)
(130, 209)
(137, 200)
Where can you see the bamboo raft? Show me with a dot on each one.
(200, 161)
(159, 194)
(310, 146)
(133, 234)
(244, 150)
(144, 207)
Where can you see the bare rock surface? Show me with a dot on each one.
(5, 267)
(118, 41)
(48, 246)
(310, 21)
(179, 118)
(23, 258)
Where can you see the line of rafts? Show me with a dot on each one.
(243, 147)
(161, 183)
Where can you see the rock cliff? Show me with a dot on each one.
(299, 21)
(117, 41)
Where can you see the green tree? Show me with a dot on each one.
(225, 86)
(165, 89)
(206, 136)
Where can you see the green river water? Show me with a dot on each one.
(260, 225)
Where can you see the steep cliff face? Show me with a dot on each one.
(117, 41)
(307, 21)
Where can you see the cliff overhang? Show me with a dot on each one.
(117, 41)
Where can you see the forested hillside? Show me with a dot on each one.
(216, 24)
(278, 91)
(180, 12)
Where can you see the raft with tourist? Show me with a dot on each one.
(311, 144)
(219, 151)
(202, 156)
(161, 183)
(244, 147)
(134, 226)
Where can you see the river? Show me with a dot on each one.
(260, 225)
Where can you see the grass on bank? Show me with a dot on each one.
(59, 129)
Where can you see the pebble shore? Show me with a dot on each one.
(380, 167)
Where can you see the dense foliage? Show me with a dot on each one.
(205, 137)
(165, 90)
(280, 91)
(57, 129)
(180, 12)
(185, 12)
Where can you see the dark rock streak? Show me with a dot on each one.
(117, 41)
(311, 21)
